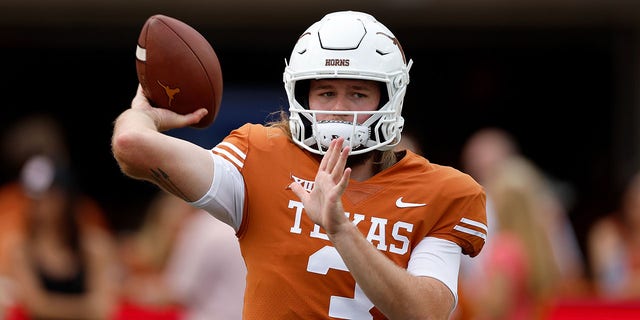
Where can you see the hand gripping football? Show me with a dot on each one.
(178, 69)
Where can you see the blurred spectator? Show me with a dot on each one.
(614, 247)
(145, 252)
(206, 270)
(29, 136)
(520, 273)
(60, 266)
(182, 263)
(484, 152)
(492, 156)
(33, 135)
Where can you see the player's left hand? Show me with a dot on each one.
(323, 204)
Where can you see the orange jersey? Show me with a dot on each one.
(293, 271)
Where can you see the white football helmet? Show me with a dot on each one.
(351, 45)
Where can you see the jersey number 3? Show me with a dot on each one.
(340, 307)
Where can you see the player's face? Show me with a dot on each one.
(343, 95)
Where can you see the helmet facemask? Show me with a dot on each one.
(347, 45)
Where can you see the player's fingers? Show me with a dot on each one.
(197, 115)
(333, 154)
(139, 100)
(326, 162)
(298, 190)
(341, 162)
(168, 119)
(193, 117)
(344, 181)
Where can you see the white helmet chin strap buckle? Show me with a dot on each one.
(354, 135)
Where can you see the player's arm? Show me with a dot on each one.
(392, 289)
(143, 152)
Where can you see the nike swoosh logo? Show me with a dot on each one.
(402, 204)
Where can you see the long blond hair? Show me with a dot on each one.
(518, 193)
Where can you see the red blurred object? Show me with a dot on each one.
(16, 312)
(585, 309)
(130, 311)
(126, 311)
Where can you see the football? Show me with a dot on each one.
(178, 68)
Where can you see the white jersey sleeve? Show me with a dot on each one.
(225, 198)
(439, 259)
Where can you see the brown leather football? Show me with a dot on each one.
(178, 68)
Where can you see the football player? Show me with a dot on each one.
(332, 222)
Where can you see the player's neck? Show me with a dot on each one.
(362, 172)
(362, 166)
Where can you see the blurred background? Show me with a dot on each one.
(561, 75)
